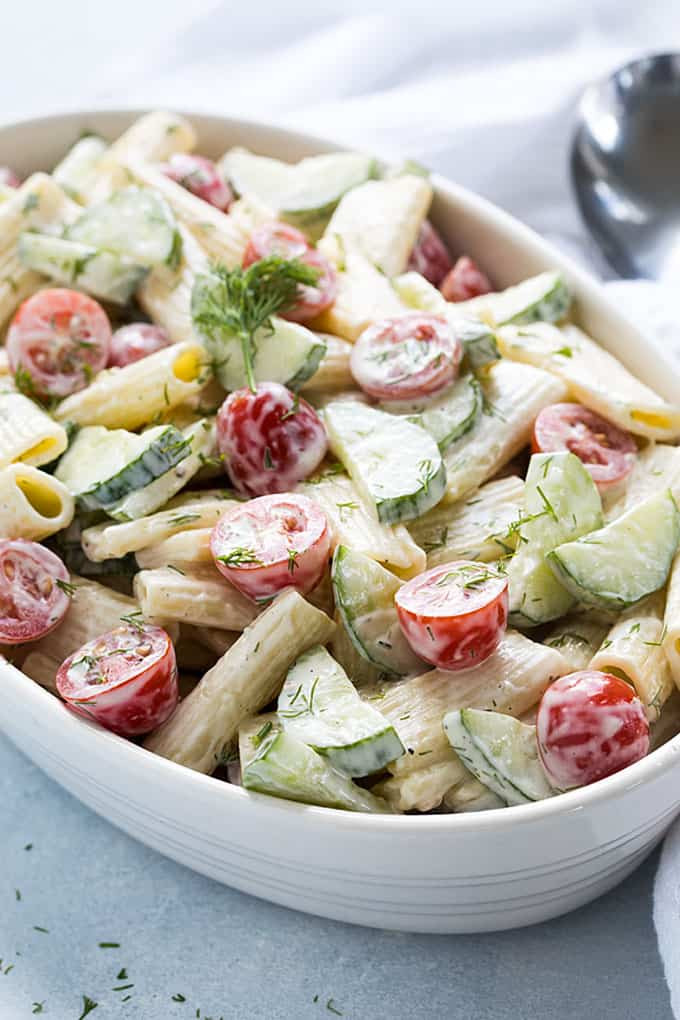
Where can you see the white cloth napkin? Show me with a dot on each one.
(483, 92)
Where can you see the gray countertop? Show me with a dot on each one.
(233, 956)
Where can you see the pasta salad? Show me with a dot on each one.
(292, 496)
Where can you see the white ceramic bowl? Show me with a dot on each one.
(437, 873)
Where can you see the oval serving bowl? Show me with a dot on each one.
(435, 873)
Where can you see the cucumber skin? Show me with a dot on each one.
(479, 343)
(168, 450)
(310, 367)
(552, 307)
(382, 748)
(459, 429)
(394, 510)
(87, 267)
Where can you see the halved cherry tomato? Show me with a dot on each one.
(32, 602)
(8, 179)
(272, 543)
(411, 356)
(607, 451)
(454, 615)
(277, 238)
(466, 280)
(430, 256)
(589, 725)
(58, 340)
(136, 341)
(270, 439)
(201, 177)
(126, 679)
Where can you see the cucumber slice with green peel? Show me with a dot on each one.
(561, 503)
(395, 464)
(77, 171)
(479, 342)
(103, 466)
(104, 274)
(451, 415)
(501, 752)
(303, 194)
(621, 563)
(284, 766)
(542, 298)
(287, 353)
(320, 706)
(135, 222)
(364, 595)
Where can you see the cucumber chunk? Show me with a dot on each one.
(501, 752)
(561, 503)
(479, 342)
(305, 193)
(451, 415)
(364, 594)
(103, 466)
(287, 353)
(104, 274)
(394, 463)
(275, 762)
(542, 298)
(621, 563)
(135, 222)
(320, 706)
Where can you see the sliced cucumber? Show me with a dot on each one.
(305, 193)
(542, 298)
(501, 752)
(561, 503)
(364, 595)
(104, 274)
(479, 342)
(283, 766)
(287, 353)
(320, 706)
(103, 466)
(201, 441)
(621, 563)
(78, 169)
(394, 463)
(451, 415)
(135, 222)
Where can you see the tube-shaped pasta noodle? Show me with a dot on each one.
(33, 504)
(203, 598)
(27, 433)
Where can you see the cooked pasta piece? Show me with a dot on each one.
(165, 294)
(633, 650)
(202, 598)
(241, 683)
(197, 512)
(353, 525)
(671, 631)
(477, 528)
(471, 795)
(333, 374)
(577, 637)
(27, 433)
(33, 504)
(77, 172)
(364, 296)
(425, 787)
(513, 396)
(127, 398)
(593, 377)
(656, 469)
(184, 551)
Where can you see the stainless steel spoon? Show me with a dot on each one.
(625, 165)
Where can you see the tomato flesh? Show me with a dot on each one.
(126, 679)
(402, 358)
(271, 543)
(31, 602)
(589, 725)
(454, 615)
(57, 341)
(278, 238)
(136, 341)
(270, 439)
(466, 280)
(201, 177)
(430, 256)
(607, 451)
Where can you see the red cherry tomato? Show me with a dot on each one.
(406, 357)
(607, 451)
(58, 340)
(8, 179)
(466, 280)
(430, 256)
(126, 679)
(134, 342)
(272, 543)
(201, 177)
(589, 725)
(270, 439)
(31, 602)
(454, 615)
(277, 238)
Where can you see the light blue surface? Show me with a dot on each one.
(233, 956)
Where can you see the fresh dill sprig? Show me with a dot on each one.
(230, 303)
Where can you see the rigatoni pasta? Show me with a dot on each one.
(33, 504)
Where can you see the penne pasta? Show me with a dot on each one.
(27, 433)
(185, 551)
(33, 504)
(364, 296)
(165, 294)
(203, 598)
(577, 638)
